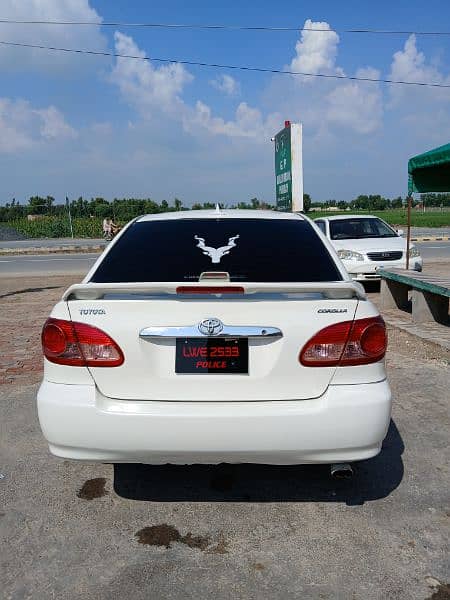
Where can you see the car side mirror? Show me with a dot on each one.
(400, 232)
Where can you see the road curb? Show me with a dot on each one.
(52, 250)
(416, 331)
(431, 239)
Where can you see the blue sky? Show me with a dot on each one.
(80, 125)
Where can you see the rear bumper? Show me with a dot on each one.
(347, 423)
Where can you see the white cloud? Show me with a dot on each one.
(158, 90)
(53, 125)
(422, 114)
(155, 90)
(327, 104)
(226, 84)
(49, 35)
(22, 126)
(14, 121)
(248, 122)
(315, 51)
(357, 105)
(144, 86)
(409, 64)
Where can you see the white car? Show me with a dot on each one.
(366, 244)
(215, 336)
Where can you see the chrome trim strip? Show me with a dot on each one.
(228, 331)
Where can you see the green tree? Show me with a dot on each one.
(376, 202)
(79, 208)
(40, 206)
(12, 210)
(432, 199)
(306, 202)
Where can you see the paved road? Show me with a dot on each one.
(50, 242)
(428, 231)
(433, 250)
(46, 264)
(80, 263)
(75, 531)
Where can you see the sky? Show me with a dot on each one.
(78, 125)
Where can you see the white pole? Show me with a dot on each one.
(297, 166)
(70, 216)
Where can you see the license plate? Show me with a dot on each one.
(211, 355)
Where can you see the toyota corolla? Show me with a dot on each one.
(366, 244)
(215, 336)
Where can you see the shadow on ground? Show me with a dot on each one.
(374, 479)
(372, 287)
(30, 290)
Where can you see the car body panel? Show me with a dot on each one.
(347, 423)
(275, 372)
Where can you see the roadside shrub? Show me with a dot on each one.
(54, 227)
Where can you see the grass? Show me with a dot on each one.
(55, 227)
(398, 217)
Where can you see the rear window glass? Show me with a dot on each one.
(321, 226)
(257, 250)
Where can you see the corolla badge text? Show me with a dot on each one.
(332, 310)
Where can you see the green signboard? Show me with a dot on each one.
(283, 169)
(288, 168)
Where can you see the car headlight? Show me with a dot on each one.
(350, 255)
(414, 252)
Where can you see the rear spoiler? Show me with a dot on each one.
(333, 290)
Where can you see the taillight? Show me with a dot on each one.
(79, 345)
(358, 342)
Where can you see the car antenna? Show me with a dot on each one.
(217, 207)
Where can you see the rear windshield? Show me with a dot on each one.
(351, 229)
(257, 250)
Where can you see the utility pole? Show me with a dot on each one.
(408, 236)
(70, 217)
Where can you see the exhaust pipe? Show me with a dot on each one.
(341, 471)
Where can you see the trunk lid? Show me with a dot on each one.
(274, 371)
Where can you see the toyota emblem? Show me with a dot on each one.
(210, 326)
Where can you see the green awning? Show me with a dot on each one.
(430, 171)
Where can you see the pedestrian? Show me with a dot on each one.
(107, 227)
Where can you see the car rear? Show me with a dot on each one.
(215, 337)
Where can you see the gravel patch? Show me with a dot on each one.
(9, 233)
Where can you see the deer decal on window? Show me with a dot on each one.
(215, 254)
